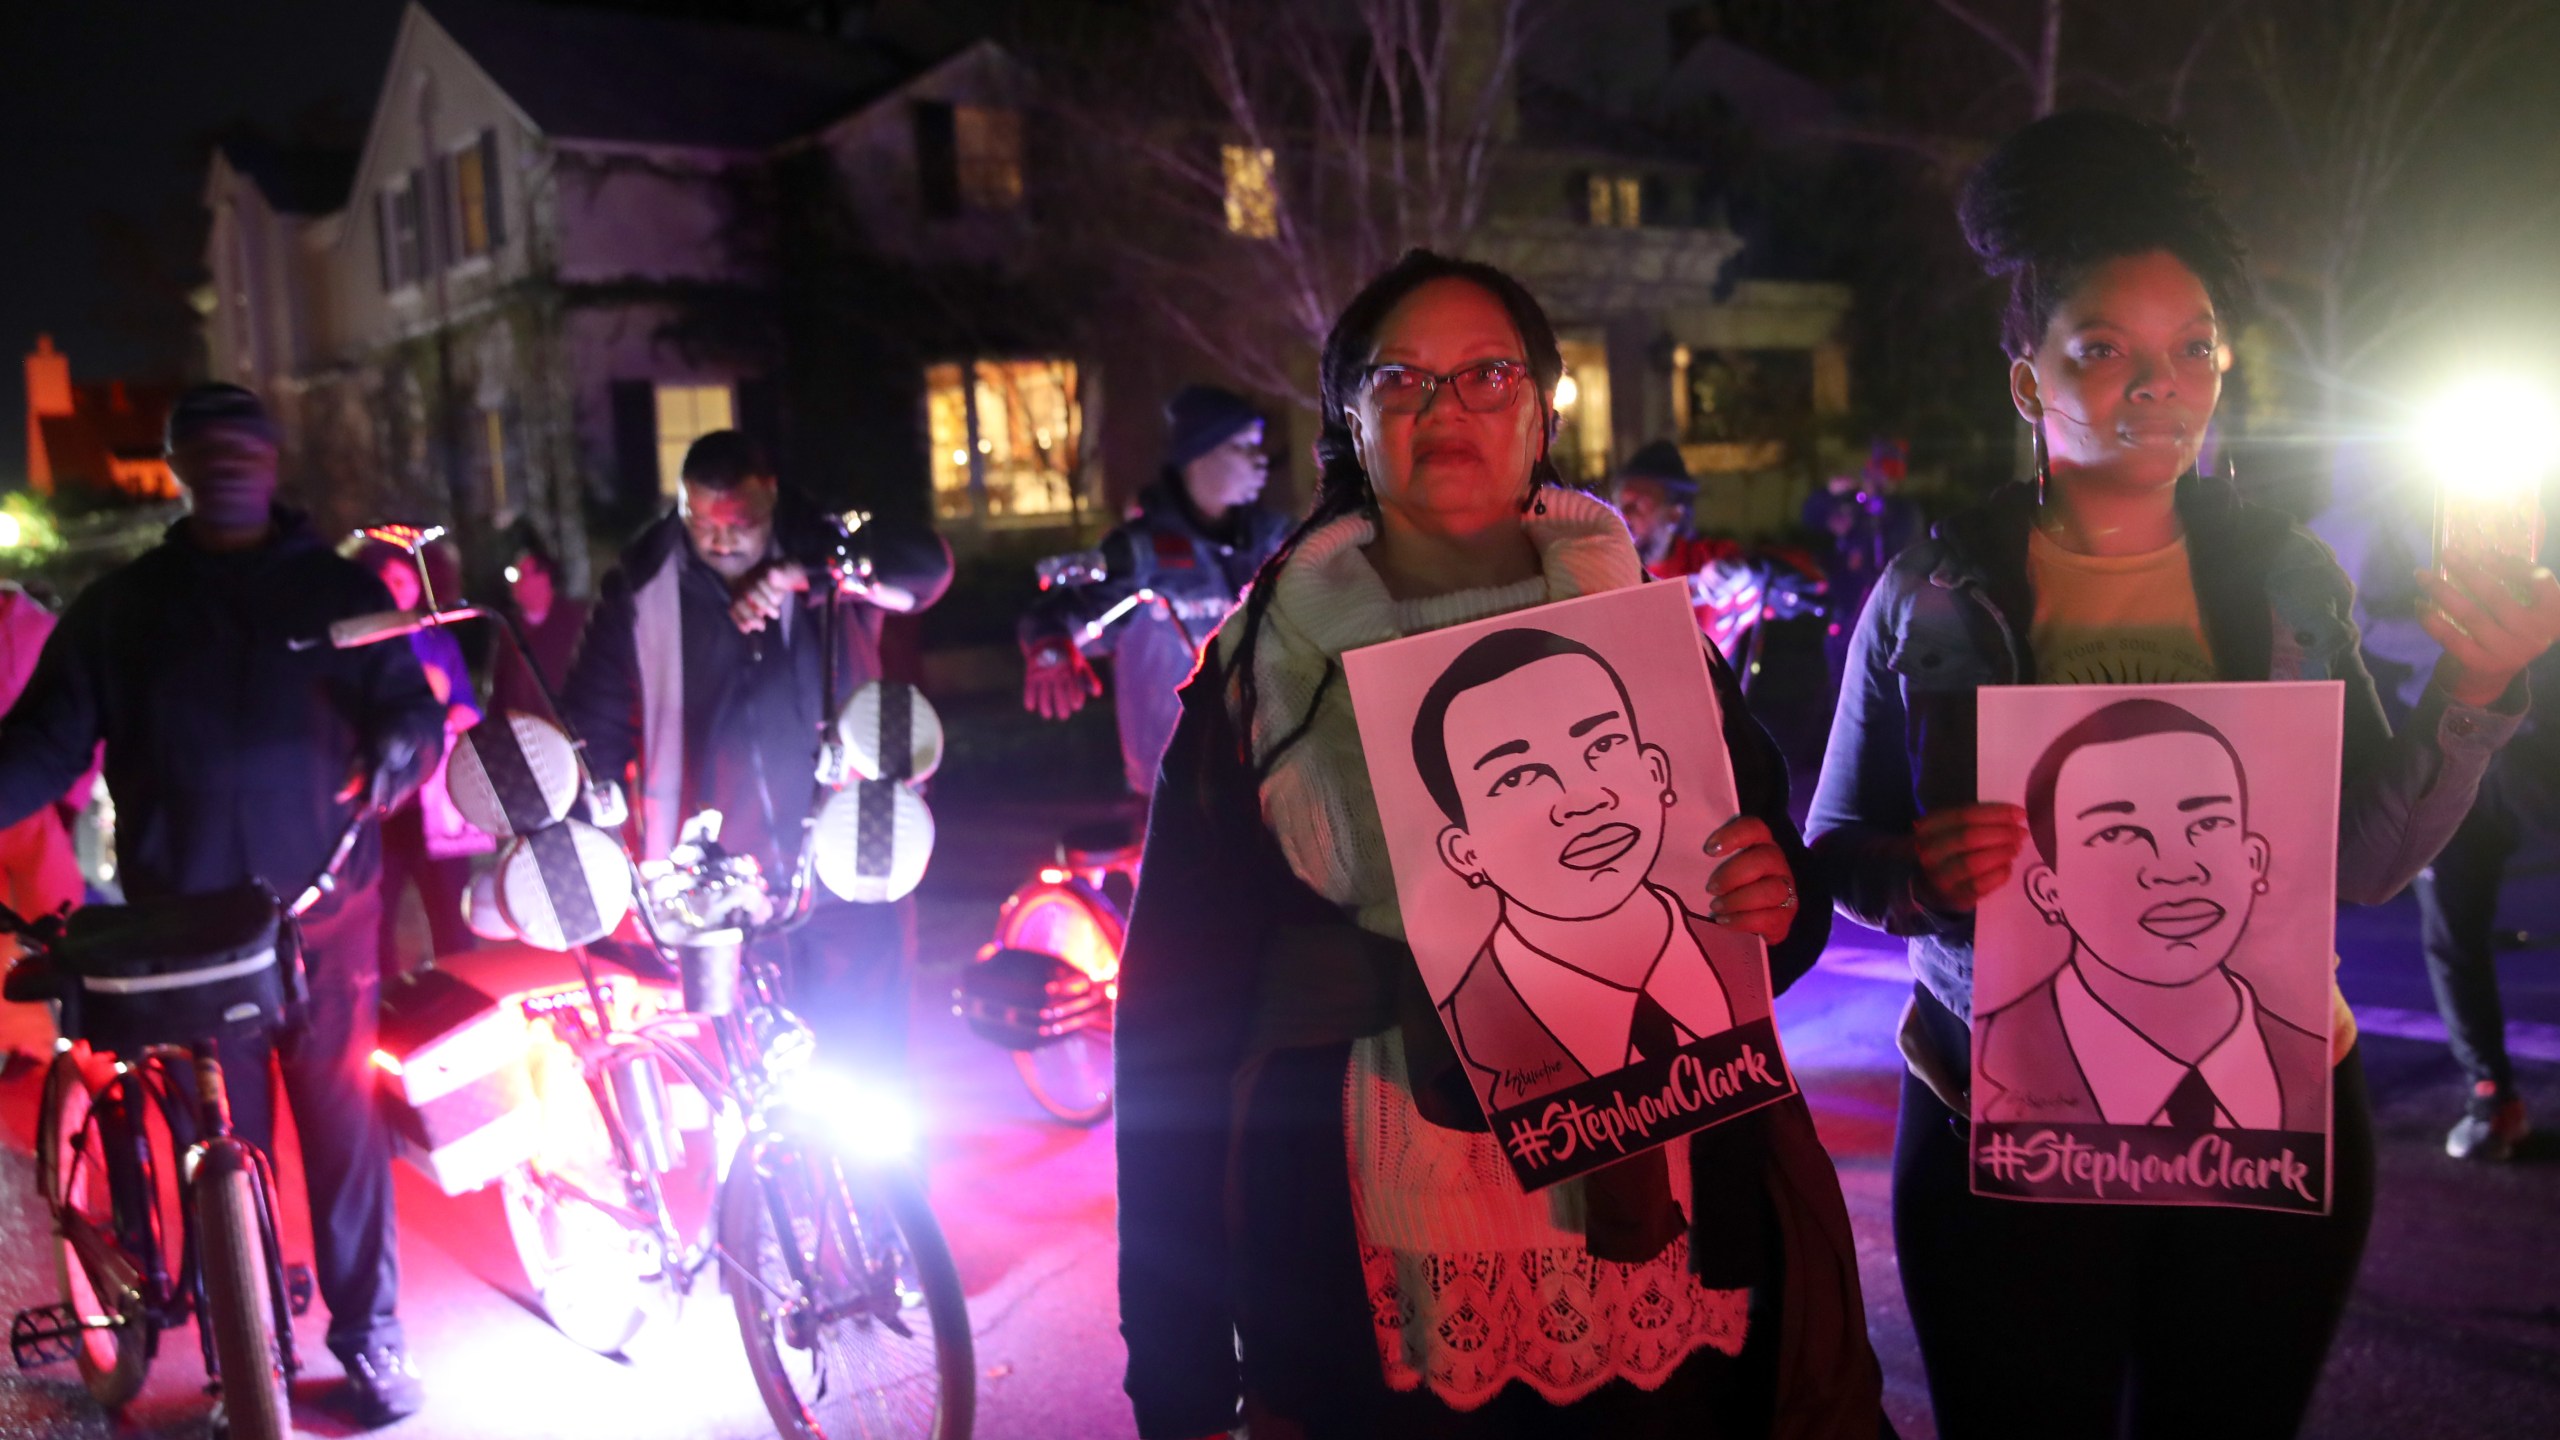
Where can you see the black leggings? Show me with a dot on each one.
(2066, 1321)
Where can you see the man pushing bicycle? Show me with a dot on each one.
(236, 756)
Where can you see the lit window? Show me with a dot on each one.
(686, 413)
(471, 200)
(1023, 423)
(1617, 201)
(1582, 408)
(1253, 203)
(988, 144)
(497, 459)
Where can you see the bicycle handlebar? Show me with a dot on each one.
(359, 630)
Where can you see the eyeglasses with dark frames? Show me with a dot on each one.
(1483, 387)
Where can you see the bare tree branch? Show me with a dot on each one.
(1999, 39)
(1380, 119)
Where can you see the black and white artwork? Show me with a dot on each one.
(2152, 991)
(1547, 781)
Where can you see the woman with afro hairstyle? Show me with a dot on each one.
(2116, 562)
(1317, 1230)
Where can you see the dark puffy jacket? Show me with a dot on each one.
(1168, 548)
(714, 718)
(226, 747)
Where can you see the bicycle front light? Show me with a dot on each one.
(862, 1120)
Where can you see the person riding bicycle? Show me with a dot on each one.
(1195, 539)
(701, 673)
(234, 756)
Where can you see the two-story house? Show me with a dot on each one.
(573, 240)
(560, 258)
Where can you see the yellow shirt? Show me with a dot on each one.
(2115, 619)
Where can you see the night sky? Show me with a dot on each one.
(108, 111)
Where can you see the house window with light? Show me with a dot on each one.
(1007, 439)
(988, 141)
(479, 223)
(1253, 201)
(686, 413)
(1582, 409)
(1615, 201)
(968, 158)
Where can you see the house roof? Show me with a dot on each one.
(297, 180)
(582, 74)
(1773, 99)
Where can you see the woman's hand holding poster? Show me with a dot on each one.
(1547, 781)
(2151, 991)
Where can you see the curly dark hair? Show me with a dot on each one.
(1342, 486)
(2082, 187)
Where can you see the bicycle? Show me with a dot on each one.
(1047, 987)
(818, 1223)
(144, 992)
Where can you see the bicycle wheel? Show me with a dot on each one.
(874, 1342)
(594, 1277)
(87, 1185)
(1070, 1077)
(239, 1304)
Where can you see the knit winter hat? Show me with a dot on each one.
(1660, 463)
(1199, 419)
(202, 407)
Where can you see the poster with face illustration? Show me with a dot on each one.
(1547, 781)
(2151, 991)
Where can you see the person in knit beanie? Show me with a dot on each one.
(1196, 537)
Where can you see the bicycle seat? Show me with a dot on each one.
(1099, 845)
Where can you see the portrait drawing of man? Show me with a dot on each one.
(1529, 744)
(2139, 818)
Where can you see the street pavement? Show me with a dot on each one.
(2454, 1331)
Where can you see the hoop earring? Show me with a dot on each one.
(1475, 882)
(2044, 461)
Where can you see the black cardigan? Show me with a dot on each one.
(1235, 1209)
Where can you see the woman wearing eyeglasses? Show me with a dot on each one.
(1317, 1232)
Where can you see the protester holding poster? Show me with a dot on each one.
(1317, 1224)
(2117, 564)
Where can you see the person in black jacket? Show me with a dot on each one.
(1196, 538)
(1317, 1230)
(235, 756)
(2119, 563)
(701, 675)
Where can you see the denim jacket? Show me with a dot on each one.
(1952, 614)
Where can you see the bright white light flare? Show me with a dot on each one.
(2491, 434)
(865, 1121)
